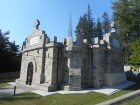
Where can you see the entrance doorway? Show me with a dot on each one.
(29, 74)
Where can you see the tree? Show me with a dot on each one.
(84, 29)
(135, 11)
(134, 57)
(127, 16)
(4, 40)
(106, 23)
(10, 57)
(127, 13)
(81, 29)
(99, 31)
(90, 23)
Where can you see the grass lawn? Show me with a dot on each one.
(22, 99)
(4, 82)
(135, 101)
(60, 99)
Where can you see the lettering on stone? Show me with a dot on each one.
(34, 40)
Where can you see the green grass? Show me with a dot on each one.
(22, 99)
(4, 82)
(60, 99)
(135, 101)
(83, 99)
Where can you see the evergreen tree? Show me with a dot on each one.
(90, 24)
(135, 10)
(99, 31)
(10, 57)
(106, 23)
(81, 29)
(134, 57)
(84, 29)
(94, 30)
(4, 40)
(126, 15)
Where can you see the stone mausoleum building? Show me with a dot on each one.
(72, 66)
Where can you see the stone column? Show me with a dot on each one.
(98, 66)
(74, 65)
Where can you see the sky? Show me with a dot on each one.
(18, 16)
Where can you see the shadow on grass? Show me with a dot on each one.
(4, 82)
(7, 80)
(133, 87)
(25, 96)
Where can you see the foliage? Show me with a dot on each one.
(105, 23)
(127, 13)
(84, 29)
(90, 25)
(89, 29)
(99, 31)
(135, 56)
(81, 29)
(127, 17)
(9, 54)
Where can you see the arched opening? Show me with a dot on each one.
(29, 74)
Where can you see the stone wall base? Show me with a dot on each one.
(111, 79)
(68, 88)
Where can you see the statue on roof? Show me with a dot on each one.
(36, 24)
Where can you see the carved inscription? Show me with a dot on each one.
(34, 40)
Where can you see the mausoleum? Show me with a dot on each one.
(50, 65)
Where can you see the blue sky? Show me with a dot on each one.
(18, 16)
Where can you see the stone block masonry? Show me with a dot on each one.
(72, 66)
